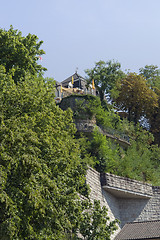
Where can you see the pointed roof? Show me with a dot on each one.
(140, 230)
(75, 76)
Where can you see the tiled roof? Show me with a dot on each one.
(75, 76)
(140, 230)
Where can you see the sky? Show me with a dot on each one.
(78, 33)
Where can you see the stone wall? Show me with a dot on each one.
(105, 198)
(127, 200)
(123, 185)
(139, 210)
(85, 125)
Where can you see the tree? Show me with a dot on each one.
(41, 171)
(20, 54)
(40, 166)
(105, 75)
(135, 97)
(152, 75)
(93, 225)
(140, 161)
(105, 154)
(154, 120)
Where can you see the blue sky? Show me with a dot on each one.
(77, 33)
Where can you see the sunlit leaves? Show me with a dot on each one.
(136, 98)
(19, 54)
(39, 162)
(93, 225)
(105, 75)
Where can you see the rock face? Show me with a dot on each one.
(85, 119)
(85, 125)
(126, 199)
(80, 105)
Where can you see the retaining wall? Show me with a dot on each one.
(127, 200)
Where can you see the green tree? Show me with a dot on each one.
(105, 154)
(41, 169)
(152, 75)
(136, 98)
(140, 161)
(105, 75)
(40, 166)
(20, 54)
(154, 120)
(93, 225)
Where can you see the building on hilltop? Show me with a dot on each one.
(126, 199)
(75, 84)
(76, 80)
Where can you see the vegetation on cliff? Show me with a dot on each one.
(140, 160)
(42, 167)
(43, 160)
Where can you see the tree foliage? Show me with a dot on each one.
(152, 75)
(90, 107)
(105, 153)
(43, 165)
(93, 225)
(135, 97)
(20, 54)
(140, 161)
(154, 120)
(41, 169)
(105, 75)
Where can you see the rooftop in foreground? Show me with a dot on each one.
(140, 230)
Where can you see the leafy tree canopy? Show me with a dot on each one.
(135, 97)
(40, 166)
(152, 75)
(105, 154)
(20, 54)
(41, 169)
(93, 225)
(105, 75)
(141, 160)
(154, 120)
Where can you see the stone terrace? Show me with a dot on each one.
(125, 187)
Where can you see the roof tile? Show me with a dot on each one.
(140, 230)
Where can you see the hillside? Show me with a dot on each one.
(113, 144)
(47, 145)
